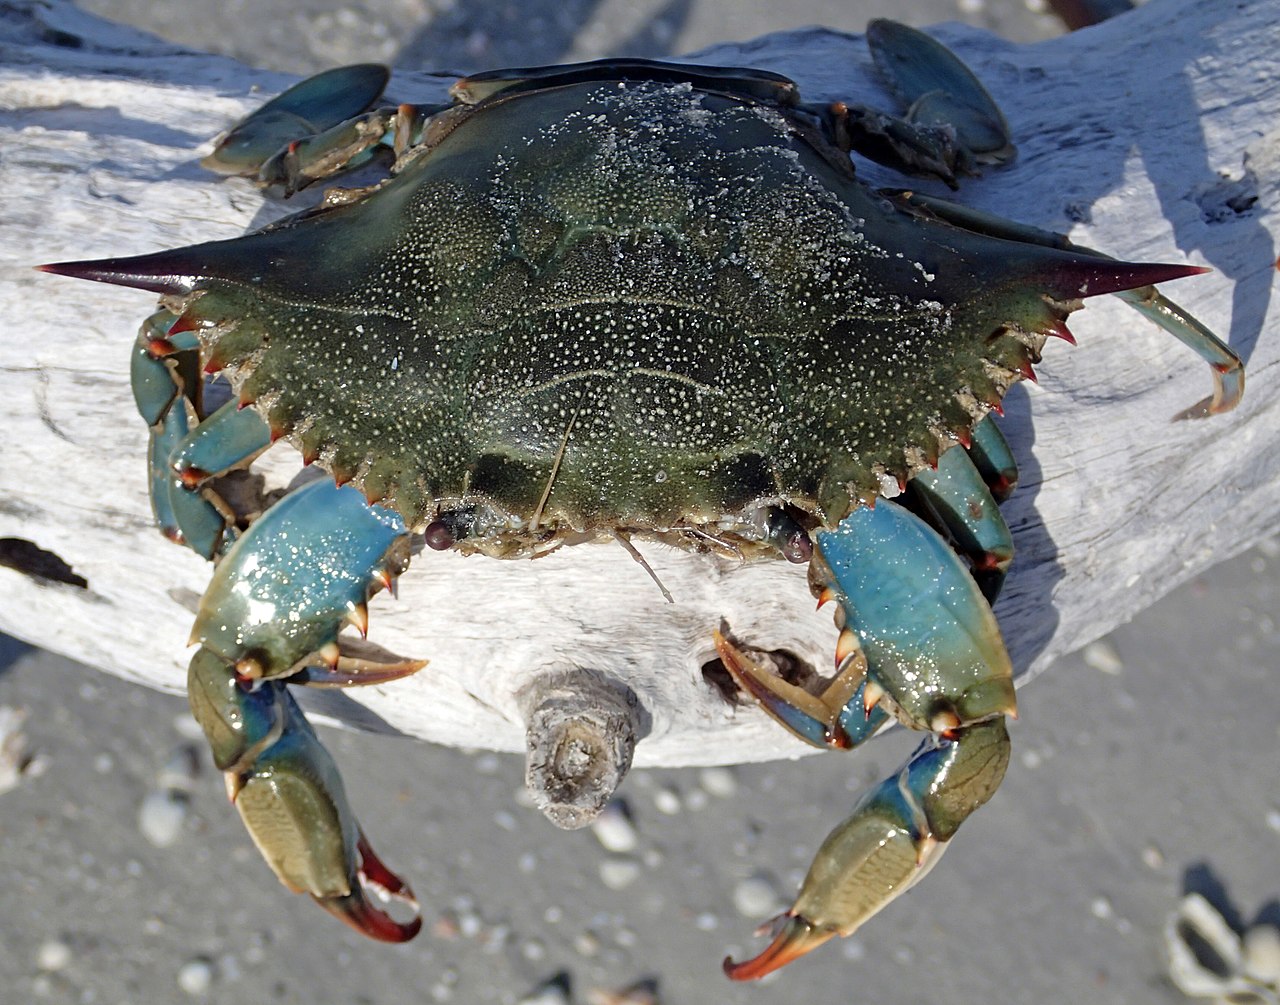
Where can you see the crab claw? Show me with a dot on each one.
(793, 937)
(895, 835)
(290, 796)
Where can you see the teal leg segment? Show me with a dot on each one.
(229, 437)
(302, 571)
(957, 497)
(990, 453)
(309, 107)
(930, 640)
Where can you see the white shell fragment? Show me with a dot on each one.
(1207, 959)
(163, 814)
(613, 828)
(15, 759)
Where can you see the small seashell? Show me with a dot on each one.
(667, 801)
(53, 954)
(1102, 656)
(162, 816)
(195, 977)
(554, 991)
(15, 760)
(179, 771)
(757, 896)
(720, 782)
(1262, 954)
(613, 828)
(619, 873)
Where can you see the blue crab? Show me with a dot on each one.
(617, 298)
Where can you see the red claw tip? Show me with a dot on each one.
(795, 937)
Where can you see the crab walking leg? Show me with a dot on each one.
(990, 453)
(934, 657)
(275, 605)
(951, 123)
(167, 386)
(290, 797)
(315, 130)
(311, 106)
(1226, 368)
(958, 502)
(182, 457)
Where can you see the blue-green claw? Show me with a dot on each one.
(301, 571)
(291, 799)
(895, 835)
(931, 643)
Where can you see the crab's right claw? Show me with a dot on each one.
(291, 799)
(896, 833)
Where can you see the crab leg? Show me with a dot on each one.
(182, 457)
(934, 657)
(990, 453)
(305, 109)
(290, 797)
(274, 607)
(956, 500)
(951, 124)
(167, 385)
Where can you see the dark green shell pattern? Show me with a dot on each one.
(623, 306)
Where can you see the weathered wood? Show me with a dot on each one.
(1155, 136)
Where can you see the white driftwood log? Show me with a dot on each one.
(1155, 137)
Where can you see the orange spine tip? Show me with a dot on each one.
(358, 615)
(846, 646)
(871, 695)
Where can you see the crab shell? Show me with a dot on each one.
(622, 305)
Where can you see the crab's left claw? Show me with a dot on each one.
(896, 833)
(291, 799)
(918, 639)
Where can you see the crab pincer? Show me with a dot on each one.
(917, 642)
(270, 617)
